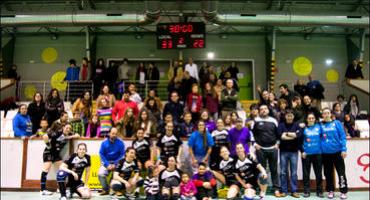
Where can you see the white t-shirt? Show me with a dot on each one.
(193, 70)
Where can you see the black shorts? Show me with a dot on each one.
(74, 185)
(232, 181)
(203, 192)
(171, 184)
(253, 181)
(51, 156)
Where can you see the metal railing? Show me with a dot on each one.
(73, 90)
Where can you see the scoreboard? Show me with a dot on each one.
(181, 35)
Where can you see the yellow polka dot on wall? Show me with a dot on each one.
(29, 91)
(302, 66)
(332, 75)
(57, 81)
(49, 55)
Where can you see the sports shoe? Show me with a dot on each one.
(330, 195)
(320, 195)
(277, 194)
(46, 192)
(119, 193)
(283, 194)
(130, 196)
(295, 195)
(63, 198)
(103, 192)
(343, 196)
(306, 194)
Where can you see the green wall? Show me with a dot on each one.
(28, 51)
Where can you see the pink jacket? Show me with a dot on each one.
(186, 189)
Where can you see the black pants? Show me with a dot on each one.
(270, 156)
(330, 161)
(316, 162)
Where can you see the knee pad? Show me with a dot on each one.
(117, 186)
(166, 197)
(249, 194)
(61, 176)
(175, 196)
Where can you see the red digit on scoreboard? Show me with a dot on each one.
(181, 40)
(164, 44)
(198, 43)
(169, 44)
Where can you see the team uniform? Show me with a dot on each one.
(227, 168)
(142, 149)
(126, 170)
(57, 142)
(247, 170)
(78, 165)
(220, 138)
(170, 179)
(169, 146)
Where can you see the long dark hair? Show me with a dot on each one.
(42, 98)
(350, 98)
(87, 103)
(204, 134)
(50, 95)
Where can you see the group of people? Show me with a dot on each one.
(224, 149)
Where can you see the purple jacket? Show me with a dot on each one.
(210, 125)
(211, 103)
(239, 136)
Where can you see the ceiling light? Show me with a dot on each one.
(328, 62)
(210, 55)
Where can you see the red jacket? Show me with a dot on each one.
(120, 107)
(199, 102)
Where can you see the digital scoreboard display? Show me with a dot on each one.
(189, 35)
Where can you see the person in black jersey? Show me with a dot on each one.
(55, 141)
(126, 175)
(250, 174)
(73, 168)
(143, 149)
(169, 180)
(226, 173)
(168, 145)
(221, 138)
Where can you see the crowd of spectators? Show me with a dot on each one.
(203, 108)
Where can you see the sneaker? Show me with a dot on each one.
(130, 196)
(45, 192)
(343, 196)
(63, 198)
(119, 193)
(330, 195)
(306, 194)
(277, 194)
(295, 195)
(283, 194)
(103, 192)
(320, 195)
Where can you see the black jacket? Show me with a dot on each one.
(353, 73)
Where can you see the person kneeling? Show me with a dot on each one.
(73, 168)
(250, 174)
(126, 175)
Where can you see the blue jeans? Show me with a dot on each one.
(291, 159)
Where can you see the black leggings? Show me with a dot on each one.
(330, 161)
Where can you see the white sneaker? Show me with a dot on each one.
(63, 198)
(45, 192)
(343, 196)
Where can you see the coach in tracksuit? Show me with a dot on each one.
(334, 150)
(311, 154)
(265, 131)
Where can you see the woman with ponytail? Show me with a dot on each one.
(200, 145)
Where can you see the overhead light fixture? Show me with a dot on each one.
(210, 55)
(223, 36)
(54, 36)
(329, 62)
(138, 36)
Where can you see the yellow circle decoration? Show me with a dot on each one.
(332, 75)
(57, 81)
(302, 66)
(49, 55)
(29, 91)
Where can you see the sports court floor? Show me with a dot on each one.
(36, 196)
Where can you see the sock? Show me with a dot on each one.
(62, 189)
(43, 180)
